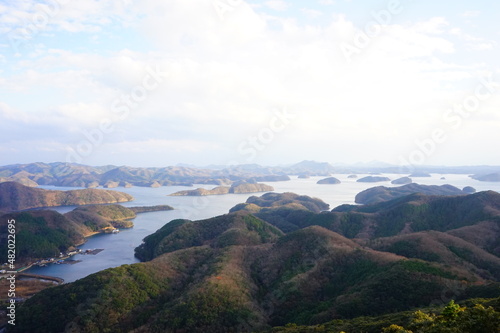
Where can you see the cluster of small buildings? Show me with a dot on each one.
(59, 260)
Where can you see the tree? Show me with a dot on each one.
(480, 320)
(395, 329)
(451, 312)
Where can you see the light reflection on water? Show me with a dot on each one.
(119, 248)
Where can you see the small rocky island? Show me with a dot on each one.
(329, 180)
(402, 181)
(373, 179)
(420, 174)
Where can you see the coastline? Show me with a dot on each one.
(108, 230)
(22, 269)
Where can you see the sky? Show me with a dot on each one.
(161, 82)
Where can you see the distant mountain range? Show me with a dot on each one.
(74, 175)
(283, 258)
(109, 176)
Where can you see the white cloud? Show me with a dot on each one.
(7, 113)
(471, 13)
(435, 25)
(414, 42)
(481, 46)
(83, 114)
(227, 75)
(473, 42)
(160, 145)
(27, 20)
(278, 5)
(311, 13)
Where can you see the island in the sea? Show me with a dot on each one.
(373, 179)
(382, 193)
(402, 181)
(239, 187)
(491, 177)
(328, 181)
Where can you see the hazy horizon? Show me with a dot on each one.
(371, 164)
(271, 82)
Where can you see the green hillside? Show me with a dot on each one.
(239, 273)
(232, 229)
(411, 213)
(44, 233)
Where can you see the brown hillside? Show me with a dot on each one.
(485, 235)
(444, 248)
(309, 276)
(14, 197)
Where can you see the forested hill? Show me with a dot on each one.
(382, 193)
(240, 272)
(464, 214)
(15, 197)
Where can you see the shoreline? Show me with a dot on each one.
(109, 230)
(86, 237)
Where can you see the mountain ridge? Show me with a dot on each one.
(77, 175)
(382, 193)
(238, 272)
